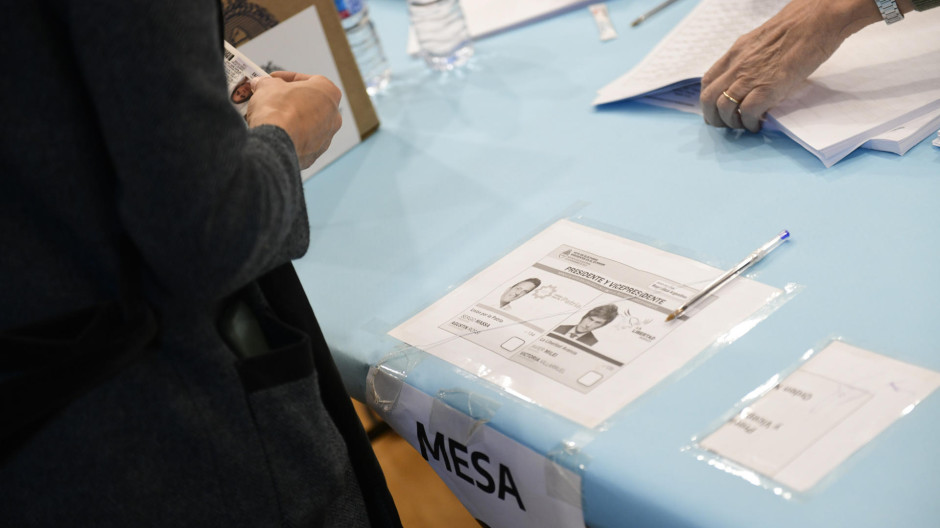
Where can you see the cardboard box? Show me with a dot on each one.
(289, 34)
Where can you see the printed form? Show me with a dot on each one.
(815, 418)
(574, 320)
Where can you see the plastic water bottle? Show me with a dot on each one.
(442, 33)
(370, 58)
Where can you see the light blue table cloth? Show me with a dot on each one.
(467, 166)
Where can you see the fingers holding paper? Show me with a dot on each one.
(305, 106)
(764, 66)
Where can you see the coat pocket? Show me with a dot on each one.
(270, 352)
(307, 458)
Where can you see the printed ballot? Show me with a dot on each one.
(239, 70)
(575, 320)
(811, 421)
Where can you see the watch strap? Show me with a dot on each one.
(889, 11)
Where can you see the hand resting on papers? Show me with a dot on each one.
(305, 106)
(764, 66)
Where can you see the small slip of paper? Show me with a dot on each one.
(239, 70)
(602, 18)
(813, 419)
(936, 142)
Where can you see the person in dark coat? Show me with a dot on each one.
(140, 221)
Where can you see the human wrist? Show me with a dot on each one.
(892, 11)
(285, 118)
(850, 16)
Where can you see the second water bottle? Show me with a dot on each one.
(370, 58)
(442, 33)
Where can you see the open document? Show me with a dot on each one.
(872, 84)
(574, 320)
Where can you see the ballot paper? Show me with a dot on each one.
(574, 320)
(239, 70)
(812, 420)
(901, 138)
(870, 86)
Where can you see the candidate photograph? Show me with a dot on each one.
(583, 332)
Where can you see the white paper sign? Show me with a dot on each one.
(500, 481)
(819, 415)
(575, 320)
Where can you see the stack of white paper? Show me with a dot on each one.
(880, 90)
(902, 138)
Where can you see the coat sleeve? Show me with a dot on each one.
(210, 203)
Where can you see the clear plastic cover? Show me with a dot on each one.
(560, 334)
(795, 431)
(575, 320)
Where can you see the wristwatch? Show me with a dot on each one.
(889, 11)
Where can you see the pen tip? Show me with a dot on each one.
(670, 317)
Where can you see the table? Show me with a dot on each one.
(466, 166)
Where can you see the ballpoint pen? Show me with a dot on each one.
(751, 259)
(652, 12)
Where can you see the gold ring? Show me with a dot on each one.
(732, 99)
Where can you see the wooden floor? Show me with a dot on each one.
(422, 498)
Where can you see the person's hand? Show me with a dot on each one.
(764, 66)
(305, 106)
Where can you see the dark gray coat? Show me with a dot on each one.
(116, 126)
